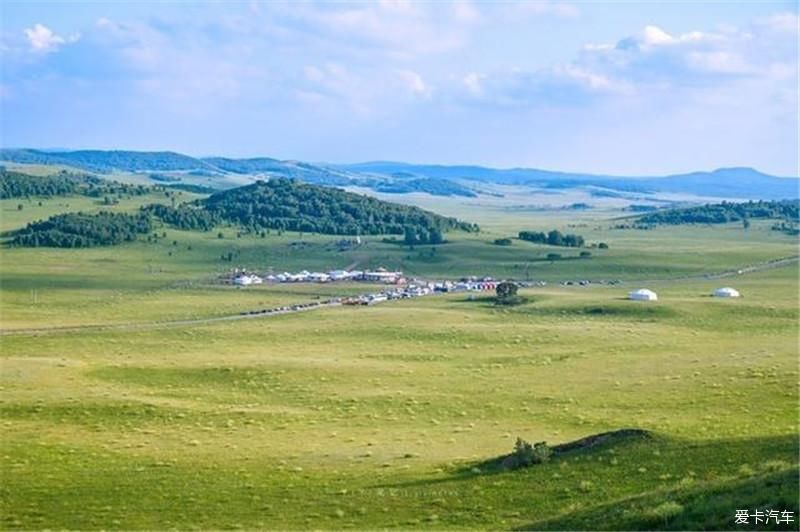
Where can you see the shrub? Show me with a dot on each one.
(665, 511)
(526, 454)
(602, 245)
(506, 289)
(553, 256)
(585, 254)
(502, 242)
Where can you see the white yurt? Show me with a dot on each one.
(726, 292)
(643, 294)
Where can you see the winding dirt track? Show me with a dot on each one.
(761, 266)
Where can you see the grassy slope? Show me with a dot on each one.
(373, 417)
(260, 422)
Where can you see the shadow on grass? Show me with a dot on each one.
(621, 442)
(703, 507)
(490, 301)
(498, 465)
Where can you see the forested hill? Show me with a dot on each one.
(725, 212)
(104, 162)
(19, 185)
(286, 204)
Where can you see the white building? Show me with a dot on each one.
(338, 275)
(643, 294)
(726, 292)
(382, 276)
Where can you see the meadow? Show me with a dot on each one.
(385, 416)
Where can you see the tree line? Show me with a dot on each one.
(21, 185)
(552, 238)
(725, 212)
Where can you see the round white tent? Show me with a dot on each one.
(726, 292)
(643, 294)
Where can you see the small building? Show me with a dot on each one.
(381, 275)
(338, 275)
(643, 294)
(726, 292)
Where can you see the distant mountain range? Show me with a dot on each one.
(397, 177)
(723, 182)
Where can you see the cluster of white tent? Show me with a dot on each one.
(380, 275)
(643, 294)
(246, 279)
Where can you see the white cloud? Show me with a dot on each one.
(473, 82)
(649, 63)
(43, 40)
(653, 55)
(414, 83)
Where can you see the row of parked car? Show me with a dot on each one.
(297, 307)
(404, 292)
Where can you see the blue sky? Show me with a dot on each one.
(636, 88)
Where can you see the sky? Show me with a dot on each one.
(626, 88)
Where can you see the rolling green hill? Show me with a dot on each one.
(285, 204)
(278, 204)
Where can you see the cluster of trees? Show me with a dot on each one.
(720, 213)
(552, 238)
(791, 229)
(418, 235)
(80, 230)
(288, 205)
(20, 185)
(96, 188)
(641, 208)
(188, 187)
(189, 217)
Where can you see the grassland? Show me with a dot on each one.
(382, 417)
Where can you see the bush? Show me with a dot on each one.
(553, 256)
(507, 294)
(585, 254)
(526, 454)
(502, 242)
(602, 245)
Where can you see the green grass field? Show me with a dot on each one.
(382, 417)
